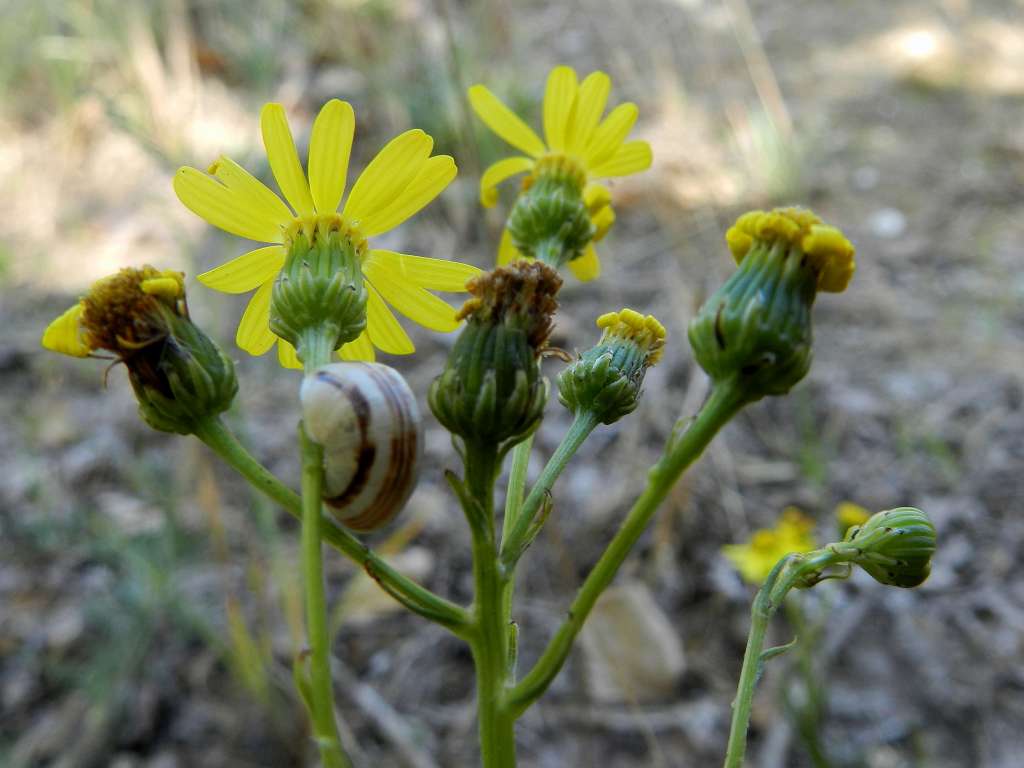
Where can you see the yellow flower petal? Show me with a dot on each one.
(436, 274)
(507, 252)
(559, 97)
(360, 349)
(387, 175)
(65, 334)
(330, 145)
(248, 271)
(251, 192)
(609, 135)
(586, 267)
(287, 356)
(435, 174)
(224, 208)
(497, 173)
(602, 220)
(384, 330)
(590, 103)
(284, 159)
(631, 157)
(254, 334)
(596, 197)
(416, 303)
(504, 122)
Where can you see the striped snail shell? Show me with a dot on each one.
(365, 417)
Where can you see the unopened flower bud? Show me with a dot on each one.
(491, 391)
(756, 329)
(895, 546)
(606, 379)
(319, 294)
(180, 377)
(551, 220)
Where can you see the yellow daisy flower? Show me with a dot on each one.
(397, 183)
(755, 559)
(577, 138)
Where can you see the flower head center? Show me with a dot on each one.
(628, 325)
(521, 294)
(125, 312)
(560, 169)
(824, 249)
(321, 230)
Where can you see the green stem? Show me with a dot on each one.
(316, 352)
(769, 597)
(321, 690)
(760, 614)
(523, 531)
(315, 347)
(516, 485)
(681, 451)
(513, 507)
(490, 643)
(413, 596)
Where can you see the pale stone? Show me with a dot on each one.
(631, 650)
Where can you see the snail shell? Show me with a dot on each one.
(366, 418)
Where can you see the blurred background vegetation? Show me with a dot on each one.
(148, 602)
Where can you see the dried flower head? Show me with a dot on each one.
(179, 376)
(522, 295)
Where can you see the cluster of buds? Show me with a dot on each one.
(756, 329)
(180, 377)
(606, 380)
(491, 391)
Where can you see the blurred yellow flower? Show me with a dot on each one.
(849, 514)
(397, 183)
(755, 559)
(577, 140)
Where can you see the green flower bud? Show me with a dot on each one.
(756, 328)
(320, 289)
(180, 377)
(491, 391)
(550, 220)
(895, 546)
(606, 379)
(192, 380)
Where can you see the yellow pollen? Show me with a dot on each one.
(170, 285)
(646, 332)
(829, 253)
(558, 166)
(313, 228)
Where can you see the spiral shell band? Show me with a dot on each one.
(366, 419)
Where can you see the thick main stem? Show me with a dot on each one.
(760, 614)
(490, 643)
(319, 666)
(787, 572)
(316, 353)
(682, 450)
